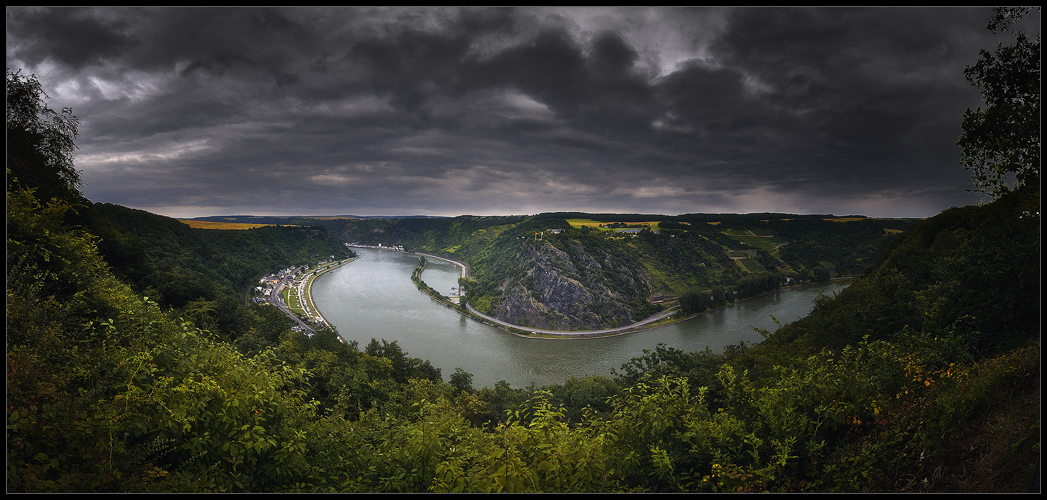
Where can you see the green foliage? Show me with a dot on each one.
(183, 264)
(106, 393)
(581, 399)
(694, 301)
(756, 284)
(543, 455)
(947, 268)
(461, 380)
(404, 367)
(848, 246)
(40, 142)
(1003, 139)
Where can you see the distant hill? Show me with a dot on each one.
(298, 219)
(176, 264)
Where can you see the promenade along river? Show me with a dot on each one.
(373, 297)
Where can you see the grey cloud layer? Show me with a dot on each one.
(191, 111)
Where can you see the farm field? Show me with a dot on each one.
(577, 223)
(750, 265)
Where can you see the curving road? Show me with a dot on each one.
(562, 333)
(274, 299)
(577, 333)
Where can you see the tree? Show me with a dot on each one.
(694, 301)
(1003, 139)
(462, 380)
(40, 141)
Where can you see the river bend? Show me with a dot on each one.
(373, 297)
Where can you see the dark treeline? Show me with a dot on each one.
(698, 301)
(688, 218)
(733, 219)
(848, 246)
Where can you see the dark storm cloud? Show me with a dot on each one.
(48, 33)
(195, 111)
(852, 81)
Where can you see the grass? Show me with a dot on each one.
(989, 427)
(749, 264)
(201, 224)
(291, 299)
(661, 284)
(577, 223)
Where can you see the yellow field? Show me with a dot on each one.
(652, 223)
(200, 224)
(583, 222)
(593, 223)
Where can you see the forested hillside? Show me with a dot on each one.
(141, 244)
(922, 376)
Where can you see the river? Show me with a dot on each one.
(373, 297)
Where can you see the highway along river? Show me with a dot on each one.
(373, 297)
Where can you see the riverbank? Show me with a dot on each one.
(416, 278)
(659, 320)
(466, 272)
(306, 291)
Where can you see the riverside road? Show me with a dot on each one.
(574, 334)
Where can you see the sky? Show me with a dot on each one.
(190, 112)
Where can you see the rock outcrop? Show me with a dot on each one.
(578, 288)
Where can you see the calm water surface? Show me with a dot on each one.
(373, 297)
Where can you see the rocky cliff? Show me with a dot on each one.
(578, 287)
